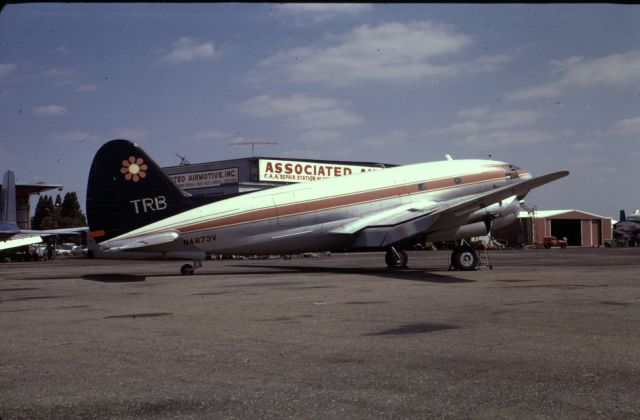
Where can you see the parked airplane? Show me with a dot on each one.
(11, 236)
(628, 229)
(135, 211)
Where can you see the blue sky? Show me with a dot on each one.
(546, 87)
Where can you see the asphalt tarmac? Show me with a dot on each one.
(545, 334)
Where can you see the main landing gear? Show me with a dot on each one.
(464, 258)
(188, 269)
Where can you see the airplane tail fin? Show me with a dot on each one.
(8, 202)
(8, 198)
(623, 216)
(127, 190)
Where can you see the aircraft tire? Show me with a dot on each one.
(465, 258)
(397, 259)
(187, 270)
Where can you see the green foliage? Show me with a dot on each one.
(64, 213)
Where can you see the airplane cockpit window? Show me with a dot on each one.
(512, 171)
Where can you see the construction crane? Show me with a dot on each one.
(252, 143)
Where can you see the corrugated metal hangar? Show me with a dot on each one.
(579, 227)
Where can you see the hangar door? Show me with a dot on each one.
(567, 228)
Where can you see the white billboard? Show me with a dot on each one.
(206, 179)
(276, 170)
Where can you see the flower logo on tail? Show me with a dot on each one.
(133, 169)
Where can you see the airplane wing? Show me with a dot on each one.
(20, 240)
(385, 228)
(61, 231)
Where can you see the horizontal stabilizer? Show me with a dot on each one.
(139, 243)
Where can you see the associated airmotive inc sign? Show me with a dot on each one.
(206, 179)
(297, 171)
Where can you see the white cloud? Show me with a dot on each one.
(503, 138)
(87, 88)
(211, 135)
(302, 112)
(483, 128)
(322, 11)
(535, 92)
(582, 73)
(320, 136)
(480, 120)
(6, 69)
(49, 110)
(476, 112)
(394, 52)
(626, 126)
(134, 134)
(62, 49)
(615, 69)
(60, 77)
(76, 136)
(188, 49)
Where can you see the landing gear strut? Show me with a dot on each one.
(188, 269)
(396, 258)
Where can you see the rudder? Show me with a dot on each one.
(127, 190)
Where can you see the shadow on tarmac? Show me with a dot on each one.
(114, 278)
(403, 274)
(409, 274)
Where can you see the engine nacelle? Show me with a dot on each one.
(459, 232)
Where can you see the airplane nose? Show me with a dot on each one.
(526, 175)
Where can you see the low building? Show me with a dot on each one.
(580, 228)
(23, 194)
(212, 180)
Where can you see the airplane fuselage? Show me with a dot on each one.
(333, 214)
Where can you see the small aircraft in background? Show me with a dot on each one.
(11, 236)
(135, 211)
(627, 229)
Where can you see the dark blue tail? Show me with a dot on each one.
(128, 190)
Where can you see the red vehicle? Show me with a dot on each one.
(550, 241)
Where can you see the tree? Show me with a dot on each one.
(64, 213)
(70, 212)
(42, 218)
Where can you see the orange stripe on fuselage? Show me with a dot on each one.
(334, 202)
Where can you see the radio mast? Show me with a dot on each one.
(252, 143)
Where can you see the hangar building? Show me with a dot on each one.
(579, 227)
(23, 193)
(211, 180)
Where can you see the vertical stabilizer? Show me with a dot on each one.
(8, 198)
(128, 190)
(623, 217)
